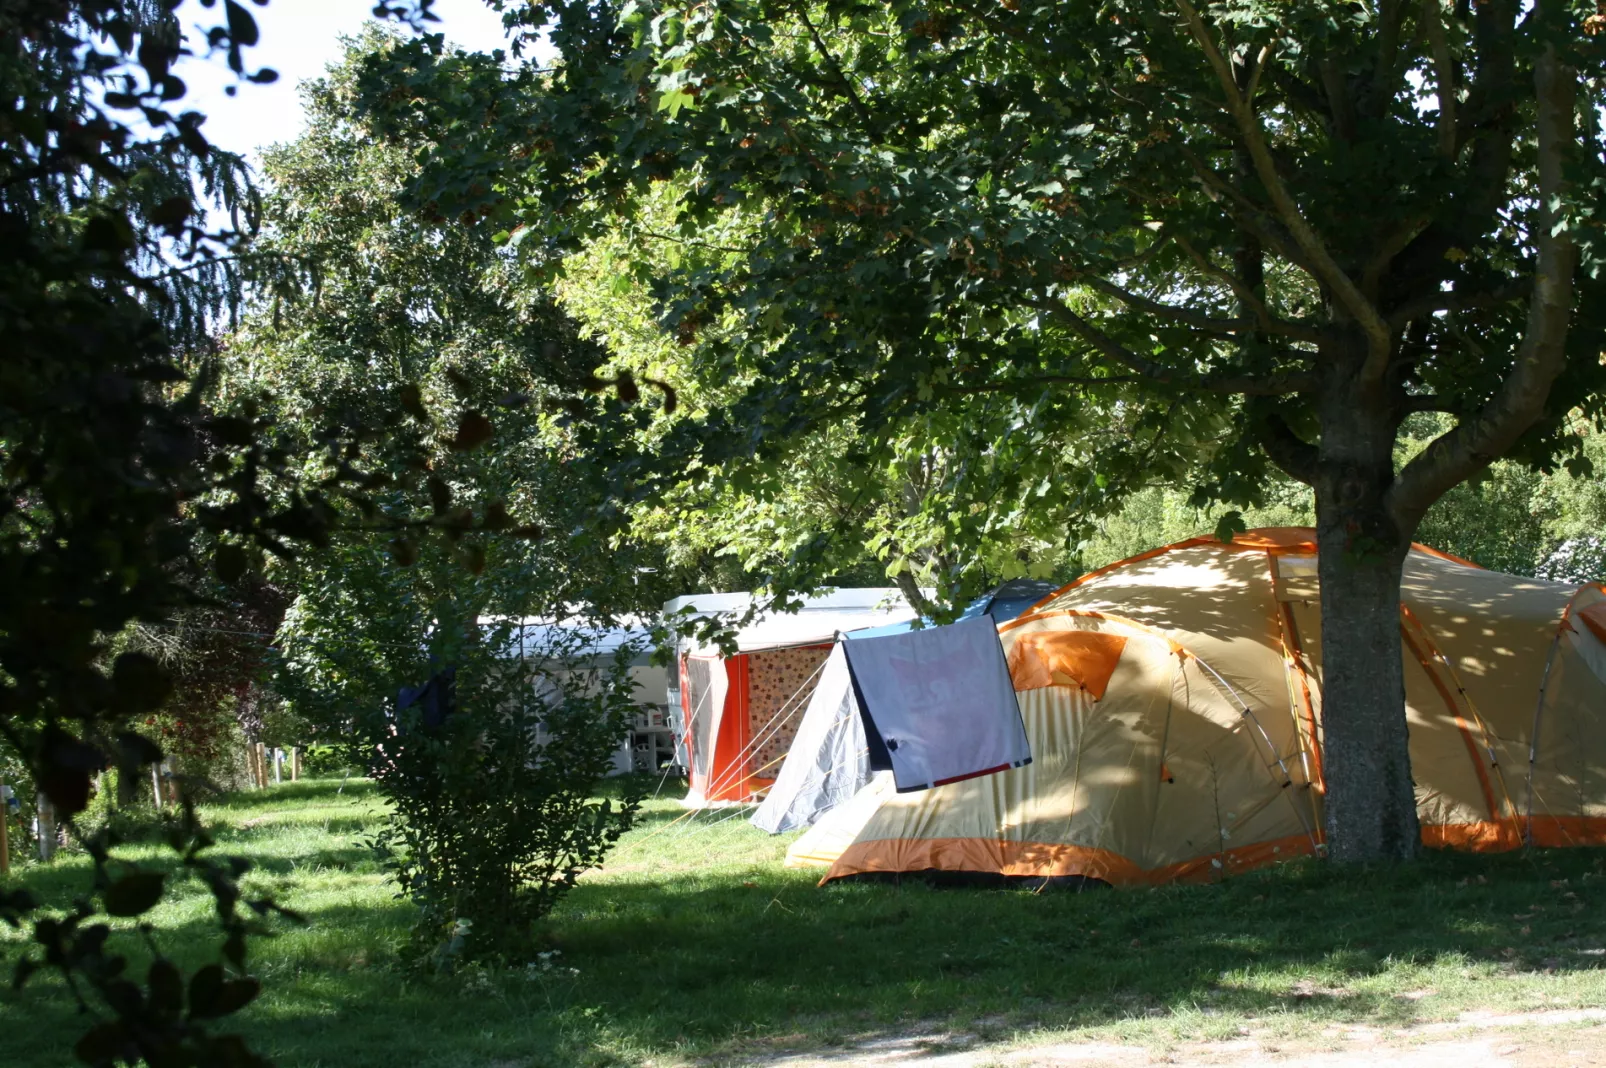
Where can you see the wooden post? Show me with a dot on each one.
(47, 828)
(5, 831)
(156, 785)
(262, 765)
(295, 763)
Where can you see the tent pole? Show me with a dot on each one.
(1533, 735)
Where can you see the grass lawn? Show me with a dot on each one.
(695, 944)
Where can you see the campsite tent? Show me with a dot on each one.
(1173, 702)
(828, 760)
(737, 714)
(569, 650)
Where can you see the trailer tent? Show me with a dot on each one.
(566, 648)
(738, 714)
(1173, 702)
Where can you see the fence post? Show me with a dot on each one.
(5, 830)
(156, 784)
(295, 763)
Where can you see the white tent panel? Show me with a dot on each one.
(829, 760)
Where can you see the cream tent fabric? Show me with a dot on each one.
(1173, 706)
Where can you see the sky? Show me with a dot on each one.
(300, 38)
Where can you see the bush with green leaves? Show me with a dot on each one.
(493, 807)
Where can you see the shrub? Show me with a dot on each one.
(493, 808)
(494, 814)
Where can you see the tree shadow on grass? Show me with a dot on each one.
(762, 957)
(736, 965)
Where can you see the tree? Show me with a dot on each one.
(1305, 221)
(428, 330)
(116, 477)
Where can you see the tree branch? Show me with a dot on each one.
(1197, 320)
(1340, 108)
(1297, 457)
(694, 243)
(1388, 248)
(870, 125)
(1443, 76)
(1159, 374)
(1390, 16)
(1520, 401)
(1454, 301)
(1044, 380)
(1249, 215)
(1326, 269)
(1246, 293)
(1426, 402)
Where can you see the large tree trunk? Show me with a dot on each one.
(1370, 802)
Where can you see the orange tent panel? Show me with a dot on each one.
(1594, 618)
(1082, 658)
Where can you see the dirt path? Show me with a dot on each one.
(1477, 1040)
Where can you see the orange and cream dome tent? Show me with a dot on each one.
(1173, 704)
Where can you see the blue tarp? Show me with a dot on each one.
(1003, 603)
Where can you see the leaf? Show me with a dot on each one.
(104, 1044)
(142, 684)
(232, 430)
(404, 552)
(411, 398)
(242, 27)
(212, 996)
(67, 764)
(172, 213)
(440, 494)
(134, 894)
(1229, 524)
(230, 562)
(166, 986)
(205, 987)
(136, 750)
(108, 233)
(474, 430)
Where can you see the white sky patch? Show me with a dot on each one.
(300, 39)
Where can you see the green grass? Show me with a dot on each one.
(695, 944)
